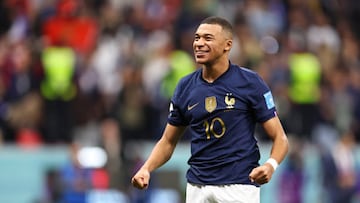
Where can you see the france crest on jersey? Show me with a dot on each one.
(221, 117)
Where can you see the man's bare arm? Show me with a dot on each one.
(275, 131)
(160, 154)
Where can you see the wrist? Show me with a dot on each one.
(273, 163)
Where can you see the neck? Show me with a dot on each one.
(212, 71)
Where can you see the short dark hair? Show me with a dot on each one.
(225, 25)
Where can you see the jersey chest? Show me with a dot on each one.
(206, 101)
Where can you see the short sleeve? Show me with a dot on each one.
(175, 116)
(262, 101)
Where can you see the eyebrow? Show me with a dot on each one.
(204, 35)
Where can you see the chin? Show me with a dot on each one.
(201, 61)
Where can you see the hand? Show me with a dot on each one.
(262, 174)
(141, 179)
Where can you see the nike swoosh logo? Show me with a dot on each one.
(192, 106)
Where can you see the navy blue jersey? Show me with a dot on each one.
(222, 116)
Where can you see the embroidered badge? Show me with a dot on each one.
(210, 104)
(229, 101)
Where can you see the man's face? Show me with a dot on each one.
(210, 43)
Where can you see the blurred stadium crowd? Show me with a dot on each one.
(101, 72)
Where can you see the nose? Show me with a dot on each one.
(199, 42)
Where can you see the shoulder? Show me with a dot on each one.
(245, 74)
(187, 82)
(190, 78)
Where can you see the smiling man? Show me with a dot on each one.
(220, 103)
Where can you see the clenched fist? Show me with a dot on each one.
(262, 174)
(141, 179)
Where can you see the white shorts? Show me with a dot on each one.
(233, 193)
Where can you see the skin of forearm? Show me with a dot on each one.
(159, 155)
(279, 148)
(280, 142)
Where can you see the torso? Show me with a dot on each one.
(221, 116)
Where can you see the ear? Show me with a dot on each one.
(228, 45)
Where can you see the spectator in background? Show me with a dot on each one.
(291, 180)
(22, 105)
(181, 64)
(304, 89)
(247, 46)
(75, 180)
(71, 26)
(5, 18)
(157, 63)
(355, 87)
(101, 73)
(69, 37)
(326, 47)
(262, 19)
(132, 107)
(329, 36)
(339, 174)
(58, 90)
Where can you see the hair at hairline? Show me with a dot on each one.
(223, 23)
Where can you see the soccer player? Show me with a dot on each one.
(220, 103)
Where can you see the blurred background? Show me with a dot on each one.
(85, 87)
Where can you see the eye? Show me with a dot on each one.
(208, 38)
